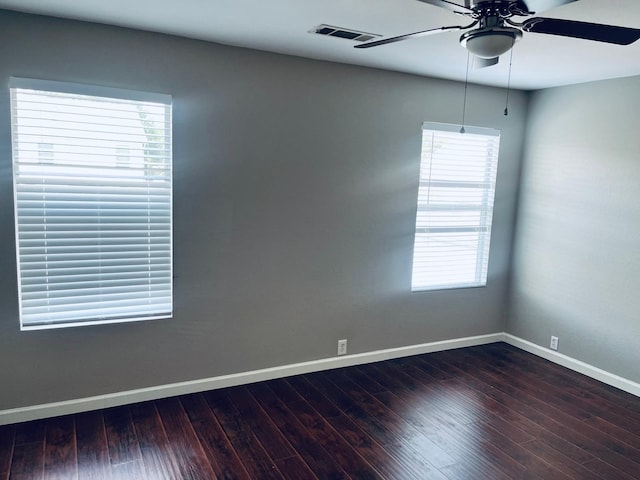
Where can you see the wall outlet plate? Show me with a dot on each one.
(553, 345)
(342, 347)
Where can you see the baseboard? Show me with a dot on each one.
(162, 391)
(573, 364)
(55, 409)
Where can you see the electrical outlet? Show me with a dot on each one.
(342, 347)
(554, 343)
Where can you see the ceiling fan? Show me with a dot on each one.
(497, 31)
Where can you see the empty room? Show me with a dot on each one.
(340, 239)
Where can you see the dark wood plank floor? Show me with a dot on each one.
(489, 412)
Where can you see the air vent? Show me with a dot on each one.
(344, 33)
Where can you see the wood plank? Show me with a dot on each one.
(498, 444)
(616, 431)
(489, 412)
(420, 420)
(29, 432)
(92, 447)
(259, 423)
(121, 436)
(562, 396)
(429, 400)
(221, 455)
(157, 454)
(559, 461)
(423, 362)
(342, 452)
(191, 459)
(520, 418)
(559, 422)
(467, 471)
(455, 397)
(129, 470)
(364, 381)
(419, 408)
(388, 465)
(526, 424)
(313, 396)
(399, 431)
(494, 458)
(315, 456)
(577, 387)
(7, 435)
(60, 459)
(382, 430)
(415, 449)
(563, 411)
(607, 471)
(294, 468)
(608, 397)
(409, 455)
(254, 457)
(285, 392)
(620, 398)
(352, 409)
(470, 460)
(28, 461)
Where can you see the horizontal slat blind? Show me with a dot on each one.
(93, 204)
(455, 207)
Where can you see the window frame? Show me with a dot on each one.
(484, 209)
(154, 100)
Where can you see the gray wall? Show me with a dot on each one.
(577, 260)
(295, 191)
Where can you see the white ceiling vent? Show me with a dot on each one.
(348, 34)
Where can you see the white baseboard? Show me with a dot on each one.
(573, 364)
(162, 391)
(46, 410)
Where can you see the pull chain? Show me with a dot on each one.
(506, 107)
(466, 85)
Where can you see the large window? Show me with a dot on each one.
(93, 203)
(455, 206)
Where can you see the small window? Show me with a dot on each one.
(455, 206)
(93, 221)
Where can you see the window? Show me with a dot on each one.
(455, 206)
(93, 232)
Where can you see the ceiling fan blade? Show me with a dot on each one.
(454, 7)
(485, 62)
(423, 33)
(538, 6)
(587, 31)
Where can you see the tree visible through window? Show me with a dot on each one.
(455, 207)
(92, 179)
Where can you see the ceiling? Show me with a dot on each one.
(539, 61)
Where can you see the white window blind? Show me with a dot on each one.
(455, 207)
(93, 226)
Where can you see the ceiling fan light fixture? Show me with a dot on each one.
(490, 42)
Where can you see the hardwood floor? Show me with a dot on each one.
(489, 412)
